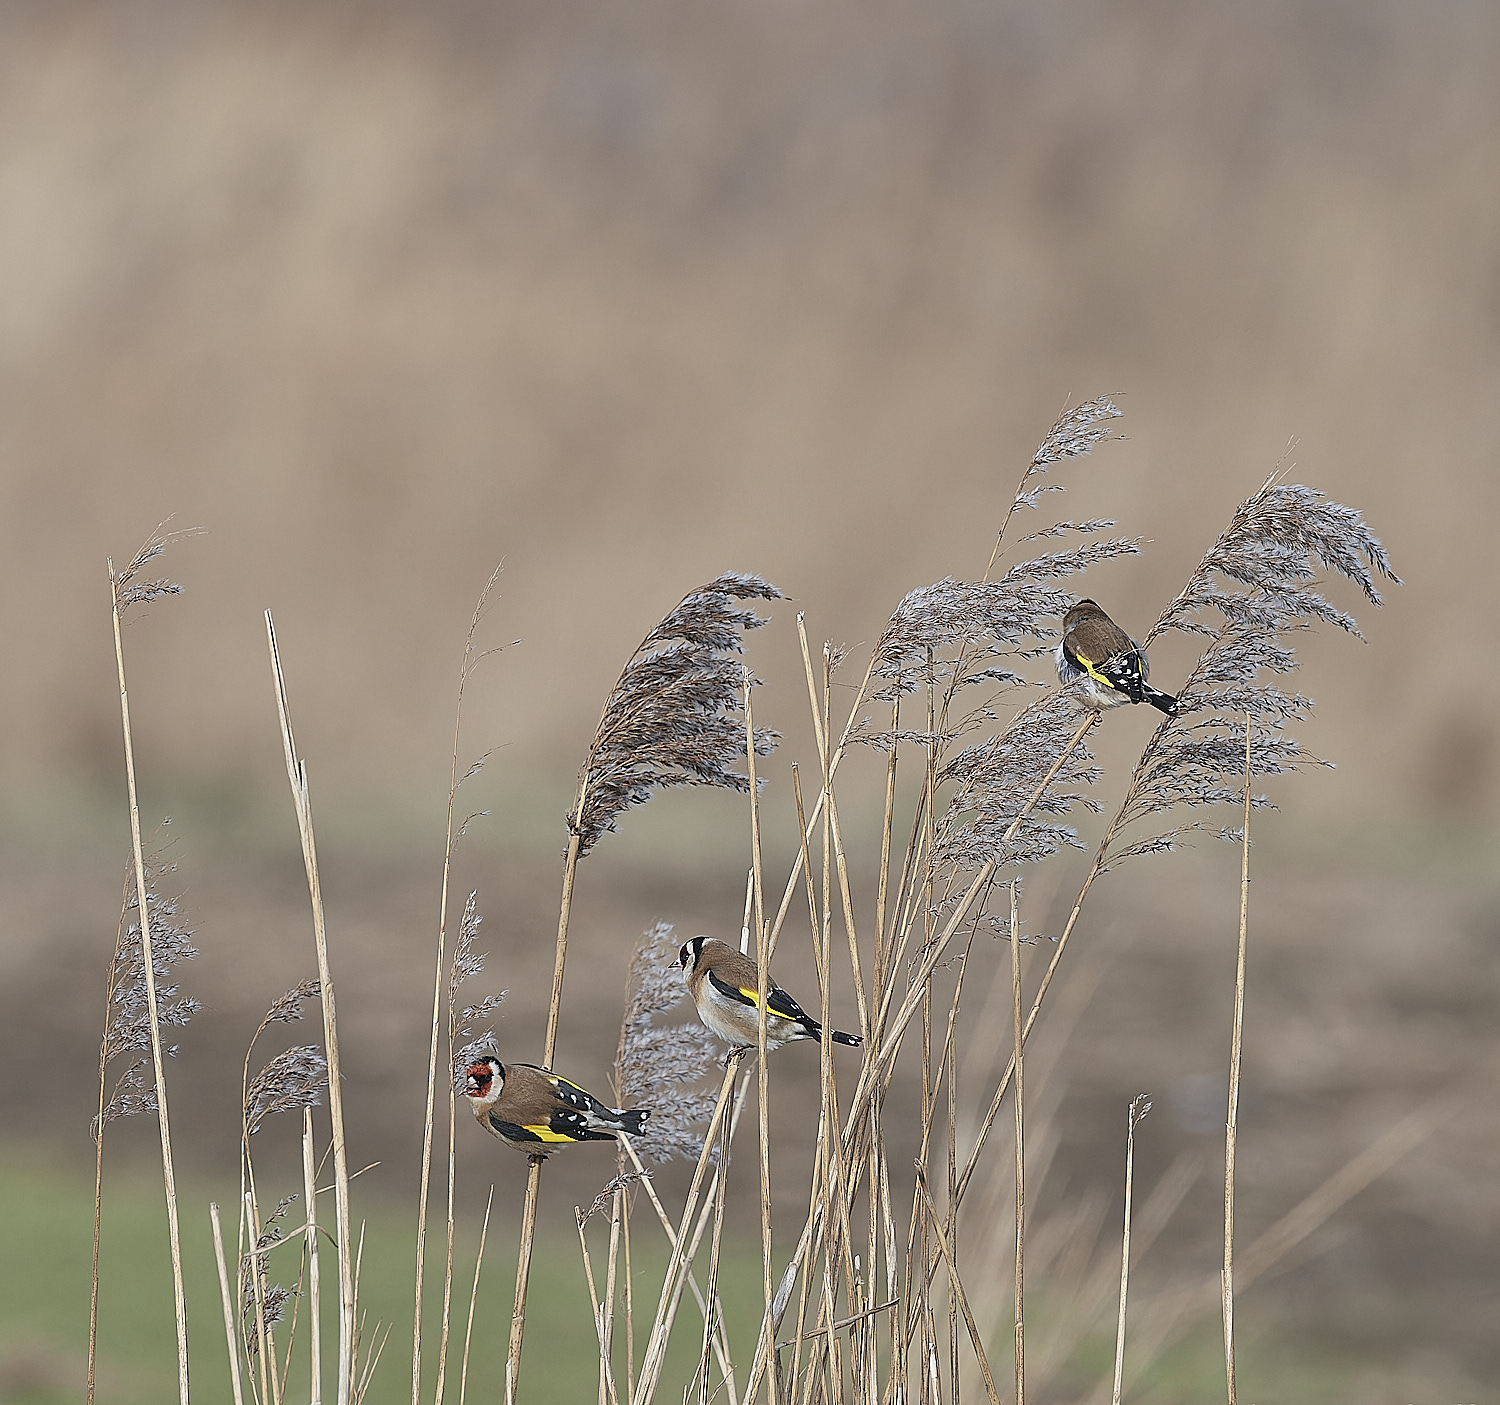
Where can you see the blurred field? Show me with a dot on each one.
(382, 294)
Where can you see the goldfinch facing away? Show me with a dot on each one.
(1110, 663)
(725, 984)
(534, 1110)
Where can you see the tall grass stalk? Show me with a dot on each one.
(465, 669)
(1231, 1126)
(230, 1335)
(314, 1283)
(1139, 1107)
(179, 1298)
(296, 770)
(1018, 1100)
(484, 1229)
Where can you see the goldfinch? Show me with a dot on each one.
(724, 985)
(534, 1110)
(1110, 663)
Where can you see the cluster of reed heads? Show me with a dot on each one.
(887, 1292)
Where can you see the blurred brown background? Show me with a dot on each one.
(627, 295)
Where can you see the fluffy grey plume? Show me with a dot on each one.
(995, 781)
(1252, 590)
(129, 1026)
(128, 590)
(289, 1082)
(672, 718)
(469, 962)
(981, 632)
(1076, 433)
(659, 1066)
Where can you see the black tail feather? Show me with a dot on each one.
(852, 1040)
(634, 1121)
(1162, 702)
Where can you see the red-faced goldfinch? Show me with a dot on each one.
(724, 984)
(1109, 662)
(534, 1110)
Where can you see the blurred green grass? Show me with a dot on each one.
(45, 1246)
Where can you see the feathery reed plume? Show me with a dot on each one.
(1257, 578)
(661, 1066)
(995, 780)
(127, 1029)
(1077, 432)
(292, 1080)
(128, 1022)
(468, 963)
(669, 720)
(126, 591)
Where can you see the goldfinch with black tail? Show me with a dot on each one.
(1109, 662)
(534, 1110)
(725, 984)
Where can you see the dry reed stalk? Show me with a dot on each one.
(1170, 1314)
(890, 1032)
(617, 1212)
(1231, 1125)
(169, 1179)
(1018, 1100)
(257, 1290)
(296, 770)
(655, 1352)
(711, 1316)
(230, 1336)
(763, 961)
(597, 1311)
(1139, 1107)
(465, 669)
(721, 1340)
(669, 1319)
(664, 723)
(314, 1287)
(975, 1336)
(484, 1229)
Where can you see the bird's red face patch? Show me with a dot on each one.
(477, 1080)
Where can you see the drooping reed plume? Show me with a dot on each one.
(673, 717)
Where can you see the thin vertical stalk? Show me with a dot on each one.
(976, 1339)
(549, 1045)
(169, 1179)
(1019, 1101)
(437, 996)
(257, 1289)
(484, 1229)
(598, 1312)
(296, 770)
(1231, 1125)
(109, 1001)
(763, 980)
(314, 1300)
(229, 1332)
(1138, 1109)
